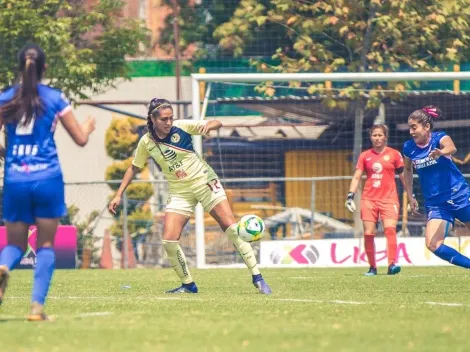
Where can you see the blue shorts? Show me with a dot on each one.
(451, 210)
(26, 201)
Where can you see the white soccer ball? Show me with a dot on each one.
(251, 228)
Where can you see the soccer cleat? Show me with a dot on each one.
(372, 272)
(4, 275)
(36, 313)
(261, 285)
(393, 269)
(185, 288)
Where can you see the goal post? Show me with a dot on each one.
(241, 78)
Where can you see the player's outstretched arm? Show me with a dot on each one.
(212, 125)
(126, 180)
(447, 148)
(79, 133)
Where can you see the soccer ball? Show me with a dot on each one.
(251, 228)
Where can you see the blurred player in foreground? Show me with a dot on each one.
(34, 186)
(379, 197)
(191, 180)
(445, 190)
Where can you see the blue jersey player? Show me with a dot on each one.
(446, 193)
(33, 184)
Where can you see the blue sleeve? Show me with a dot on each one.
(5, 96)
(439, 135)
(406, 149)
(62, 104)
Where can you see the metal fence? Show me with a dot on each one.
(293, 208)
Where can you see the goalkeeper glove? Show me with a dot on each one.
(350, 202)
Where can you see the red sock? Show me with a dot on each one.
(369, 245)
(391, 234)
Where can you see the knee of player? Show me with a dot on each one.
(433, 245)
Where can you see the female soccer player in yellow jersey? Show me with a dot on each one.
(191, 180)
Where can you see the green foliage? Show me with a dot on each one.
(85, 235)
(354, 35)
(121, 137)
(116, 171)
(196, 23)
(86, 46)
(138, 221)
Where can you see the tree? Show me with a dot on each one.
(86, 45)
(197, 22)
(355, 35)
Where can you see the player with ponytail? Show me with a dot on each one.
(191, 180)
(33, 184)
(445, 190)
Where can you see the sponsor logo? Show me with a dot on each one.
(175, 166)
(170, 154)
(26, 168)
(377, 168)
(182, 262)
(420, 163)
(181, 174)
(300, 254)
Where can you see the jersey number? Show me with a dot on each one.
(214, 186)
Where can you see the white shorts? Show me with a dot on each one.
(184, 201)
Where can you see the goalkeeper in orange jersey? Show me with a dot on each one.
(379, 197)
(191, 180)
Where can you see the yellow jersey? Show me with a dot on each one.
(175, 155)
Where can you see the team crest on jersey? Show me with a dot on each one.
(386, 158)
(175, 138)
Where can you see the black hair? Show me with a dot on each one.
(427, 115)
(154, 110)
(26, 101)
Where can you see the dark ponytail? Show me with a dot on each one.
(427, 115)
(154, 110)
(26, 101)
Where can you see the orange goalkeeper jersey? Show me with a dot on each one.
(380, 170)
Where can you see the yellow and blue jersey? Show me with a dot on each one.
(31, 152)
(176, 156)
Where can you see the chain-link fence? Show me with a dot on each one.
(293, 208)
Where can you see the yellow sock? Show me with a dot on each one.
(177, 260)
(244, 249)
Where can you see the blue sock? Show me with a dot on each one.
(452, 256)
(11, 256)
(45, 265)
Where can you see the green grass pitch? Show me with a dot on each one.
(421, 309)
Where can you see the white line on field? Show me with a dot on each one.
(318, 301)
(94, 314)
(347, 302)
(445, 304)
(299, 300)
(114, 298)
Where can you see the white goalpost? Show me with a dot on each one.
(199, 112)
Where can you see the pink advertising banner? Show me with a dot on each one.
(65, 247)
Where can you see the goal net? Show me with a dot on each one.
(289, 143)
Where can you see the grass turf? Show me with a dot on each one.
(421, 309)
